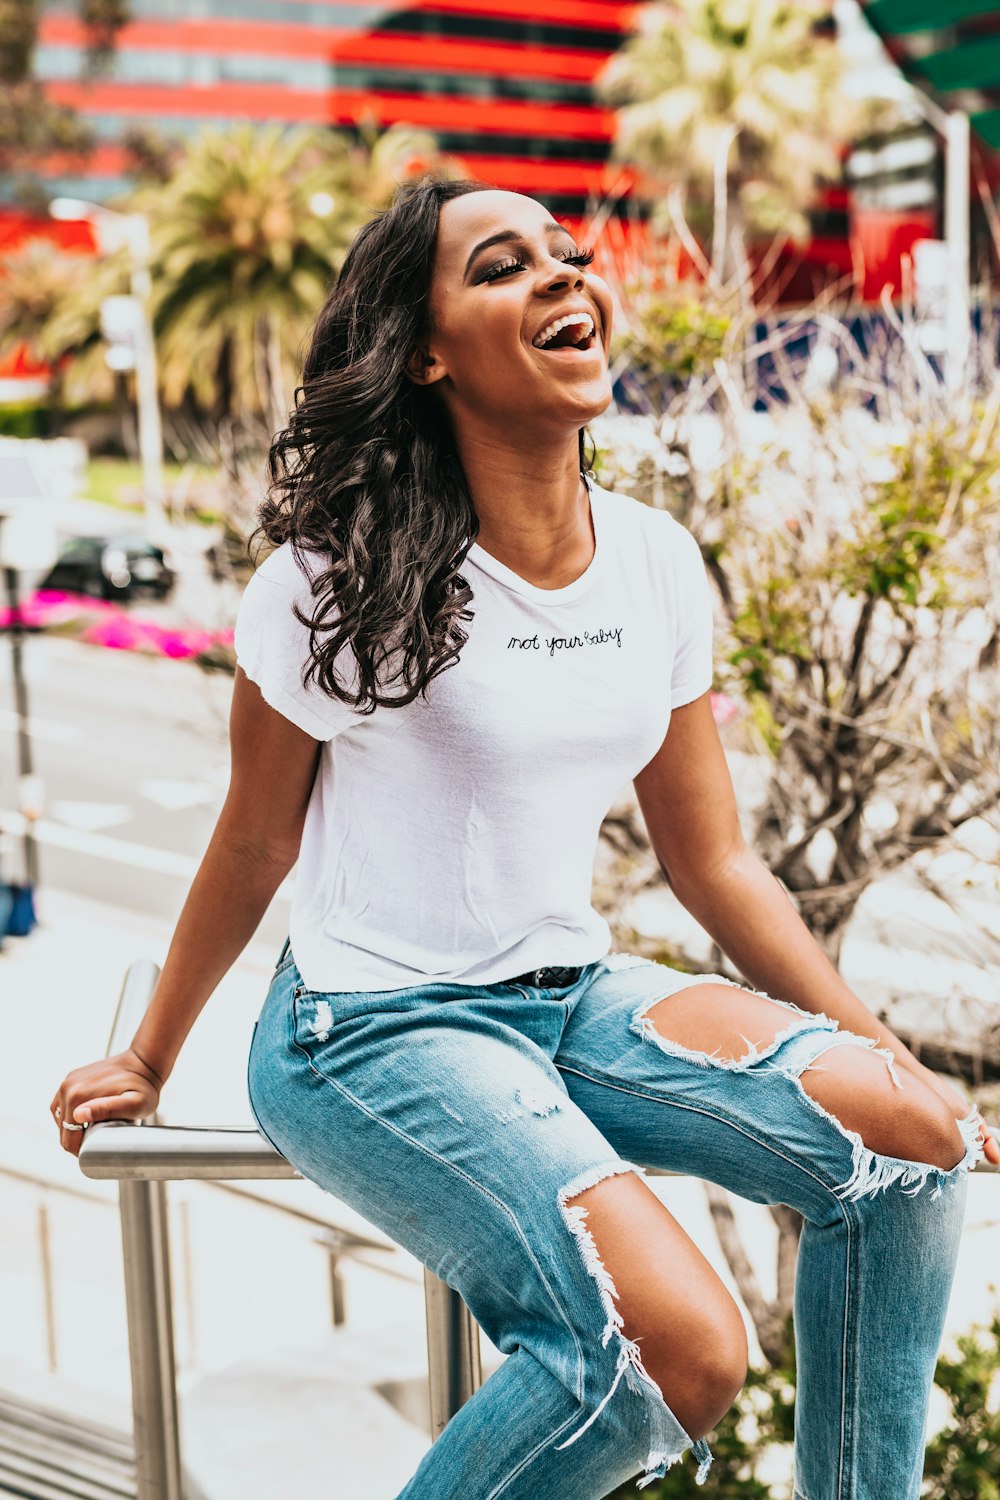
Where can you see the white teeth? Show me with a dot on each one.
(584, 319)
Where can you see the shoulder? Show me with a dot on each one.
(632, 522)
(282, 582)
(276, 595)
(287, 569)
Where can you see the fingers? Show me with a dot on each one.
(988, 1140)
(70, 1135)
(73, 1123)
(86, 1098)
(128, 1105)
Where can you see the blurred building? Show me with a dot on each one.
(507, 85)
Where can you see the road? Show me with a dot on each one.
(134, 757)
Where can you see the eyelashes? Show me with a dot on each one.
(505, 267)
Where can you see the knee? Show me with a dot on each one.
(939, 1131)
(702, 1378)
(688, 1331)
(910, 1121)
(919, 1128)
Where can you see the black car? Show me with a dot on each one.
(111, 567)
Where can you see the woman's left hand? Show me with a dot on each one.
(960, 1106)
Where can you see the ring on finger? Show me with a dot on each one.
(68, 1125)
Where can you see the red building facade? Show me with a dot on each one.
(507, 85)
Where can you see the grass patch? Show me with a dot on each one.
(117, 482)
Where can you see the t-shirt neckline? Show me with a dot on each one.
(499, 571)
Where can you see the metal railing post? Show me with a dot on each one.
(454, 1364)
(148, 1309)
(48, 1288)
(146, 1257)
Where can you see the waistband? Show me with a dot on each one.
(547, 977)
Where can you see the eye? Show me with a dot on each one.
(502, 268)
(579, 258)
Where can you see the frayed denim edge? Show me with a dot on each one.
(872, 1171)
(668, 1439)
(642, 1026)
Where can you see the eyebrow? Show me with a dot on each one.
(511, 236)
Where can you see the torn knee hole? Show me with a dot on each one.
(899, 1131)
(667, 1439)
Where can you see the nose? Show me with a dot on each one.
(560, 276)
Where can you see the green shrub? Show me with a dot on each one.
(25, 419)
(963, 1459)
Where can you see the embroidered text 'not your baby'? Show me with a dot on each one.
(554, 643)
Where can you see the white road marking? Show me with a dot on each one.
(102, 846)
(177, 795)
(90, 817)
(42, 729)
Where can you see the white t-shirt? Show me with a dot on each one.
(454, 838)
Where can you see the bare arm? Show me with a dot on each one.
(687, 799)
(253, 846)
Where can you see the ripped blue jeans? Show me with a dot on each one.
(463, 1120)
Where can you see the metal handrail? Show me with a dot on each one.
(349, 1237)
(143, 1157)
(128, 1151)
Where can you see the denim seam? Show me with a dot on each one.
(458, 1172)
(606, 1081)
(828, 1187)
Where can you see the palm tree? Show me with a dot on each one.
(737, 104)
(245, 237)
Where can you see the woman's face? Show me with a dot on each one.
(505, 274)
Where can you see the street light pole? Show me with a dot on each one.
(113, 230)
(25, 766)
(958, 167)
(147, 395)
(953, 127)
(27, 545)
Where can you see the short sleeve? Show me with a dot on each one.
(691, 674)
(272, 646)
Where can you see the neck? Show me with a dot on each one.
(533, 507)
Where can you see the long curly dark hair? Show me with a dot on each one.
(367, 473)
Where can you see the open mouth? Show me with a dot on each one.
(574, 332)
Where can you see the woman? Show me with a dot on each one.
(457, 653)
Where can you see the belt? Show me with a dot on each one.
(548, 978)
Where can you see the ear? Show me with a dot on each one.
(423, 368)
